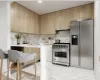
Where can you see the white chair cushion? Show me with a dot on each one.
(15, 56)
(26, 57)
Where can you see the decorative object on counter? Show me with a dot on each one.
(49, 39)
(57, 41)
(25, 41)
(18, 37)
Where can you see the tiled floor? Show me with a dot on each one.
(57, 72)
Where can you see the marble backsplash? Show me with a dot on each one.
(63, 36)
(32, 39)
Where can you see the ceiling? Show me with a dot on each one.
(50, 6)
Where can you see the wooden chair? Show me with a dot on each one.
(1, 62)
(19, 58)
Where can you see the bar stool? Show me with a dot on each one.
(1, 62)
(20, 58)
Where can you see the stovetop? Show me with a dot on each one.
(61, 43)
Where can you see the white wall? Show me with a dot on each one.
(97, 40)
(4, 25)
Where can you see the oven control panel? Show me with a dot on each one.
(61, 46)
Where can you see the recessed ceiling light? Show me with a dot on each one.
(39, 1)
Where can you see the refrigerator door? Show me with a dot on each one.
(86, 44)
(74, 33)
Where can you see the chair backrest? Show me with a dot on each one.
(2, 54)
(14, 55)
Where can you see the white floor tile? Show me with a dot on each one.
(58, 72)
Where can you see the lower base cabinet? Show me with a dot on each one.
(32, 50)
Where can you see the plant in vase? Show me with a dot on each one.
(18, 37)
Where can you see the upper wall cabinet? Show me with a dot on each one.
(36, 24)
(23, 19)
(87, 11)
(47, 24)
(51, 23)
(43, 23)
(58, 19)
(83, 12)
(61, 19)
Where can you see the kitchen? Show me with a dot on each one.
(42, 34)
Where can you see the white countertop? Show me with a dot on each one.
(27, 45)
(34, 45)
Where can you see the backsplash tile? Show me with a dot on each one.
(47, 39)
(32, 39)
(63, 36)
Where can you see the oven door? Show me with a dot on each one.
(61, 57)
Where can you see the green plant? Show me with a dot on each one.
(18, 36)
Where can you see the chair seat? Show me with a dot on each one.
(26, 57)
(21, 57)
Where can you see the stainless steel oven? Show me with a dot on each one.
(61, 53)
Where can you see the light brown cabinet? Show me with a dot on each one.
(47, 24)
(60, 20)
(27, 21)
(37, 51)
(43, 24)
(36, 23)
(87, 11)
(51, 26)
(76, 13)
(32, 50)
(23, 20)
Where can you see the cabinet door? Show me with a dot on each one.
(32, 50)
(66, 19)
(30, 27)
(76, 12)
(43, 24)
(50, 26)
(58, 20)
(37, 51)
(28, 50)
(47, 24)
(62, 19)
(23, 19)
(87, 11)
(14, 18)
(36, 23)
(18, 18)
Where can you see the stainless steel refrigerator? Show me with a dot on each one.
(82, 44)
